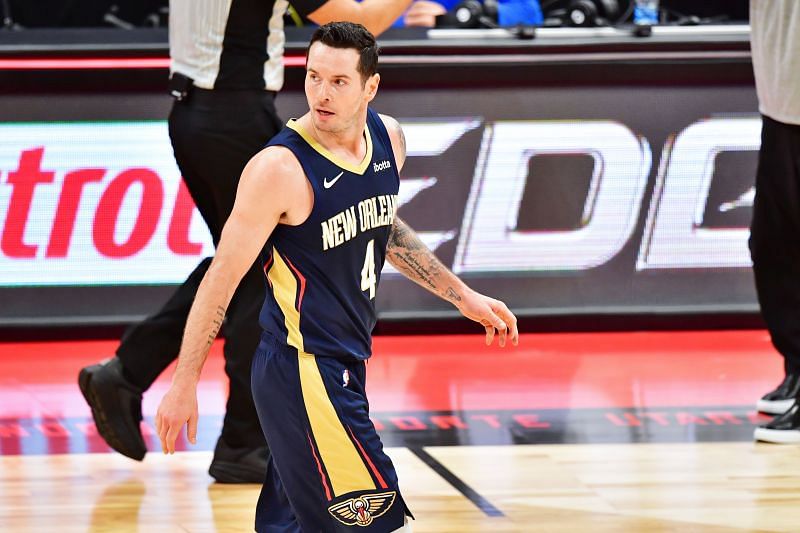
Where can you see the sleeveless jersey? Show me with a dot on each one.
(323, 273)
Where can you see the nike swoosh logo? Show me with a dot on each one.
(329, 184)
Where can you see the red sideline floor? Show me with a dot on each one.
(557, 387)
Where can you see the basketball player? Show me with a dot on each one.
(226, 65)
(323, 196)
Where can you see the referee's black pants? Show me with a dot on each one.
(214, 134)
(775, 237)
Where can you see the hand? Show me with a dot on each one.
(178, 407)
(423, 13)
(492, 314)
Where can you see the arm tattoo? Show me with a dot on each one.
(451, 294)
(217, 320)
(414, 260)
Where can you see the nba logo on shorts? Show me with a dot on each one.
(345, 377)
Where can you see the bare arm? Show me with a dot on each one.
(408, 254)
(261, 200)
(375, 15)
(423, 13)
(240, 244)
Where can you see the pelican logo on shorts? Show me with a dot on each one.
(345, 377)
(361, 510)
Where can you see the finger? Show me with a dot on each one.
(489, 335)
(498, 324)
(191, 428)
(514, 332)
(158, 422)
(172, 436)
(501, 327)
(511, 320)
(162, 435)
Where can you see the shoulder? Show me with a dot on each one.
(390, 122)
(275, 168)
(274, 163)
(273, 183)
(397, 137)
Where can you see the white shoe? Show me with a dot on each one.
(780, 400)
(774, 407)
(783, 429)
(777, 436)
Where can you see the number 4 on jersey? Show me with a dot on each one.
(368, 278)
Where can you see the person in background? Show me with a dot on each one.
(775, 228)
(226, 68)
(496, 13)
(423, 13)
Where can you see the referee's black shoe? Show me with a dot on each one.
(239, 465)
(783, 429)
(116, 406)
(779, 401)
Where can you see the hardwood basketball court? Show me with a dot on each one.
(616, 432)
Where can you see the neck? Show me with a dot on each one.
(349, 139)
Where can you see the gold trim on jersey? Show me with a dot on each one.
(285, 289)
(346, 469)
(344, 465)
(333, 158)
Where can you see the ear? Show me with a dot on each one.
(372, 86)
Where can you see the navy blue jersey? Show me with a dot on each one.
(323, 273)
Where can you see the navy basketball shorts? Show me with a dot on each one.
(328, 472)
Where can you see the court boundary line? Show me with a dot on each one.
(471, 494)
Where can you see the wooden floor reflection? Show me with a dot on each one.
(693, 487)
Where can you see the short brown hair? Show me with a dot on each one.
(350, 35)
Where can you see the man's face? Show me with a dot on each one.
(336, 93)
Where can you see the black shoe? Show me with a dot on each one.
(784, 429)
(239, 465)
(782, 398)
(116, 407)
